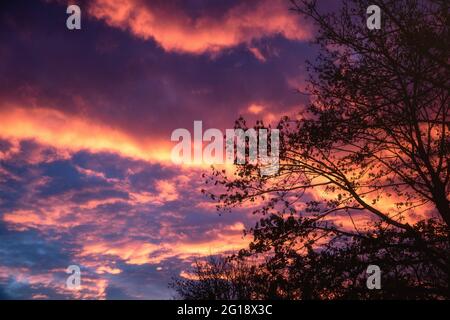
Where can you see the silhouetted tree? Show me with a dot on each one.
(336, 271)
(220, 278)
(364, 174)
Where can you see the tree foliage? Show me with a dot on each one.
(364, 172)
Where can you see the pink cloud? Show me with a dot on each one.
(257, 53)
(174, 30)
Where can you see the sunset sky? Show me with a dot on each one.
(85, 122)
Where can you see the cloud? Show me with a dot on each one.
(85, 123)
(258, 54)
(174, 29)
(75, 133)
(132, 96)
(255, 108)
(105, 213)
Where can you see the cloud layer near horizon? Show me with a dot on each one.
(105, 213)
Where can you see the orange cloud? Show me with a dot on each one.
(255, 108)
(174, 30)
(54, 128)
(138, 252)
(72, 133)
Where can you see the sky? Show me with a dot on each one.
(85, 123)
